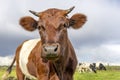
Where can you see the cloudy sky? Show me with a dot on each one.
(98, 40)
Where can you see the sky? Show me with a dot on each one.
(97, 41)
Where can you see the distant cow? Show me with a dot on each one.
(99, 66)
(86, 67)
(52, 57)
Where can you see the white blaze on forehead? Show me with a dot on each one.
(24, 54)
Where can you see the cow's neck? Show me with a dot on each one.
(60, 65)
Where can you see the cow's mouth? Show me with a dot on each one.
(51, 56)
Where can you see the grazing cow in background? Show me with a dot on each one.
(86, 67)
(52, 57)
(99, 66)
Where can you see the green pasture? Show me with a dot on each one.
(112, 73)
(3, 69)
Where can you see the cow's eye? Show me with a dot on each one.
(41, 27)
(65, 25)
(62, 27)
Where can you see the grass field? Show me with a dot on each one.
(112, 73)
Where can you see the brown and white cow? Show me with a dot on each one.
(52, 56)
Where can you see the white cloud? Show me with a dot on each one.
(7, 60)
(106, 53)
(114, 48)
(98, 38)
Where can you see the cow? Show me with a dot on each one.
(52, 56)
(86, 67)
(99, 66)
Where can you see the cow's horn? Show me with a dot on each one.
(34, 13)
(69, 10)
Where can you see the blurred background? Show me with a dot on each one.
(97, 41)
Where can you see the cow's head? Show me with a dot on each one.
(52, 26)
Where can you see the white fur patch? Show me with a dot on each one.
(24, 54)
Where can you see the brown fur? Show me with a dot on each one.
(29, 23)
(52, 26)
(79, 20)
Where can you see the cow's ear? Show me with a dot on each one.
(77, 20)
(28, 23)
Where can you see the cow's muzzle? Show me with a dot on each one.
(51, 51)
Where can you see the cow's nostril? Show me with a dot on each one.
(56, 48)
(45, 49)
(50, 49)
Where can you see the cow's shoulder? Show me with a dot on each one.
(26, 48)
(24, 53)
(25, 44)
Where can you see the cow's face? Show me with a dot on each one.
(52, 26)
